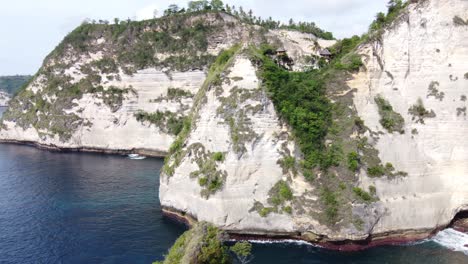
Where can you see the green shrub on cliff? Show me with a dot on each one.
(280, 193)
(352, 62)
(168, 122)
(395, 7)
(365, 196)
(353, 161)
(106, 65)
(419, 112)
(390, 120)
(218, 156)
(300, 99)
(376, 171)
(331, 202)
(203, 244)
(176, 150)
(242, 251)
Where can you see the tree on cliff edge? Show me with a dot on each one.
(217, 5)
(242, 251)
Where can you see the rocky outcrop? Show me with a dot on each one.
(416, 66)
(102, 128)
(423, 57)
(204, 243)
(239, 121)
(233, 160)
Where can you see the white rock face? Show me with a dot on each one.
(249, 178)
(299, 45)
(426, 48)
(120, 130)
(104, 129)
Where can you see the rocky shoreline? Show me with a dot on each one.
(144, 152)
(460, 223)
(386, 239)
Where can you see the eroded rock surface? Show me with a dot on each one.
(424, 56)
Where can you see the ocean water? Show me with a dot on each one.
(91, 208)
(80, 208)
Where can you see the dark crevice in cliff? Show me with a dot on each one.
(460, 221)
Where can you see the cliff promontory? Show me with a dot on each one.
(271, 130)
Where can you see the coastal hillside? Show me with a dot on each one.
(128, 86)
(271, 130)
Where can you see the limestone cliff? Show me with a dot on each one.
(403, 112)
(370, 146)
(422, 60)
(127, 87)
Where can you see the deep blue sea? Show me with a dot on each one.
(91, 208)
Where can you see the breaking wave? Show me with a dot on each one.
(452, 239)
(280, 241)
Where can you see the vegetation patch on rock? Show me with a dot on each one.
(461, 111)
(167, 122)
(203, 243)
(434, 92)
(46, 110)
(209, 176)
(419, 112)
(389, 119)
(236, 117)
(177, 152)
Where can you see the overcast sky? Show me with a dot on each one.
(30, 29)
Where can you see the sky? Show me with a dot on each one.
(31, 29)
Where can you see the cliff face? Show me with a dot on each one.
(423, 57)
(238, 121)
(417, 66)
(101, 87)
(96, 125)
(387, 159)
(127, 86)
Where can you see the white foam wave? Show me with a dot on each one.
(285, 241)
(452, 239)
